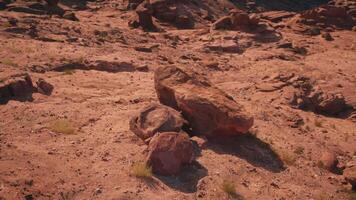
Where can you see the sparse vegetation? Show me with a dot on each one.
(353, 196)
(307, 128)
(229, 187)
(68, 71)
(9, 62)
(62, 126)
(333, 126)
(299, 150)
(318, 123)
(320, 164)
(5, 25)
(287, 157)
(142, 170)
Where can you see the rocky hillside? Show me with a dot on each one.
(168, 99)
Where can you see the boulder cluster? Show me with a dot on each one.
(189, 104)
(50, 7)
(336, 14)
(20, 87)
(167, 11)
(242, 21)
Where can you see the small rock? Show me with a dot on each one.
(156, 118)
(327, 36)
(328, 160)
(44, 87)
(70, 16)
(350, 174)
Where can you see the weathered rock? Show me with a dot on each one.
(132, 4)
(144, 12)
(16, 86)
(276, 16)
(169, 11)
(242, 21)
(208, 110)
(350, 174)
(228, 46)
(100, 65)
(222, 23)
(156, 118)
(327, 36)
(52, 2)
(239, 19)
(44, 87)
(183, 21)
(328, 161)
(3, 5)
(70, 16)
(169, 151)
(312, 98)
(326, 16)
(164, 10)
(327, 103)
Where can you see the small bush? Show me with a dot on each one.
(141, 170)
(229, 187)
(62, 126)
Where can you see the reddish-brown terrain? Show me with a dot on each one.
(290, 64)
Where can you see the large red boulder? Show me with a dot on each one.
(209, 110)
(169, 151)
(156, 118)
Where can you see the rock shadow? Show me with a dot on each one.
(76, 4)
(186, 181)
(25, 98)
(282, 5)
(249, 148)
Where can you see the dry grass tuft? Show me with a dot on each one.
(318, 123)
(229, 187)
(353, 195)
(9, 62)
(287, 157)
(142, 170)
(62, 126)
(68, 71)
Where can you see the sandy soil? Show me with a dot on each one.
(278, 159)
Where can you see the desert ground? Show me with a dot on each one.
(74, 73)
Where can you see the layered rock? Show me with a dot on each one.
(241, 21)
(334, 14)
(209, 110)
